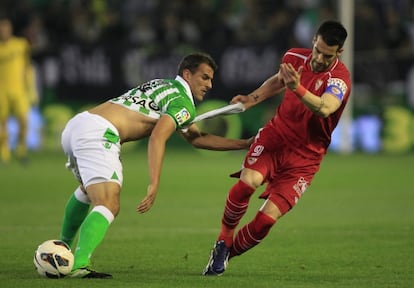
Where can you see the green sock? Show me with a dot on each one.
(91, 234)
(75, 213)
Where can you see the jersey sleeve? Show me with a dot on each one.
(337, 87)
(339, 84)
(296, 56)
(181, 112)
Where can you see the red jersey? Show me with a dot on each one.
(305, 132)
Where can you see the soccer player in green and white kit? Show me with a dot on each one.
(92, 141)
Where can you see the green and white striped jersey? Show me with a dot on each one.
(159, 97)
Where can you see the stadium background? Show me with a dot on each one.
(353, 228)
(86, 52)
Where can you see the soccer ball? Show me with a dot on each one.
(53, 259)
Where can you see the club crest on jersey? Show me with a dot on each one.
(182, 116)
(251, 160)
(318, 84)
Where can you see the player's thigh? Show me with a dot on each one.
(20, 106)
(270, 208)
(98, 164)
(287, 188)
(258, 165)
(92, 158)
(4, 107)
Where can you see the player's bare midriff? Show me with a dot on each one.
(131, 125)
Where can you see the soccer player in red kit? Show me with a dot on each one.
(288, 150)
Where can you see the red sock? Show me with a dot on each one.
(236, 206)
(251, 234)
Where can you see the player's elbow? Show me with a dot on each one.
(323, 113)
(199, 144)
(328, 105)
(194, 140)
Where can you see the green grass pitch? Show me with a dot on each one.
(354, 227)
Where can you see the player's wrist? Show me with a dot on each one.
(300, 91)
(254, 97)
(249, 142)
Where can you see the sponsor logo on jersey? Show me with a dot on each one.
(182, 116)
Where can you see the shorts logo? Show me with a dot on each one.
(182, 116)
(251, 160)
(300, 186)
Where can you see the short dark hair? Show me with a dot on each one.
(333, 33)
(193, 60)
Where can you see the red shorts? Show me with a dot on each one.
(287, 174)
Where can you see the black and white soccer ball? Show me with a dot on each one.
(53, 259)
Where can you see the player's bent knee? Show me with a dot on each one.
(252, 178)
(271, 209)
(106, 194)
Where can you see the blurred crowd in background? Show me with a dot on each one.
(91, 50)
(380, 25)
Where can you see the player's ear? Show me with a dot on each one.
(186, 74)
(339, 52)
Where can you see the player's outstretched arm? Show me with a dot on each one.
(269, 88)
(207, 141)
(156, 150)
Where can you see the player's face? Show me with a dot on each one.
(323, 55)
(5, 30)
(201, 81)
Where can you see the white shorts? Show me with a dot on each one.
(93, 148)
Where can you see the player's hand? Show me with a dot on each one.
(290, 76)
(250, 141)
(239, 98)
(148, 200)
(245, 99)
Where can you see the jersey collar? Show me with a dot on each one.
(186, 87)
(332, 67)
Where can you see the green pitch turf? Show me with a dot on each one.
(354, 227)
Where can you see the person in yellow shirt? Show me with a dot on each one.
(17, 89)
